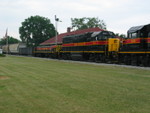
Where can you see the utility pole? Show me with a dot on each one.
(56, 20)
(56, 25)
(6, 37)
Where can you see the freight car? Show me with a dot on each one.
(13, 48)
(26, 51)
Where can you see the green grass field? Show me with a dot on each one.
(30, 85)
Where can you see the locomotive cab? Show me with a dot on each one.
(113, 43)
(102, 35)
(139, 38)
(110, 44)
(136, 47)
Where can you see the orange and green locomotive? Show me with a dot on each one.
(98, 46)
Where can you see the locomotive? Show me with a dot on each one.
(135, 50)
(99, 46)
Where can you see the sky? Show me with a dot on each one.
(119, 15)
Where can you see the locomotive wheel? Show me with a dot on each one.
(145, 61)
(85, 57)
(127, 60)
(97, 58)
(69, 57)
(134, 61)
(92, 58)
(120, 59)
(103, 58)
(64, 57)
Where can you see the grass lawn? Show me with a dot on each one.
(30, 85)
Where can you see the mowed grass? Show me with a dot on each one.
(31, 85)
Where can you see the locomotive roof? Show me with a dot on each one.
(70, 36)
(60, 36)
(136, 28)
(95, 33)
(75, 35)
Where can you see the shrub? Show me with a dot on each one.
(2, 55)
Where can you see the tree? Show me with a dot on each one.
(121, 35)
(84, 23)
(35, 30)
(11, 40)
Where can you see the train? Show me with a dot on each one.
(98, 46)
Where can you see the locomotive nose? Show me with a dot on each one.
(113, 44)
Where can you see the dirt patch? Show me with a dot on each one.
(3, 77)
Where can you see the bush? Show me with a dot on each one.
(2, 55)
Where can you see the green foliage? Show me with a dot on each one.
(121, 35)
(11, 40)
(2, 55)
(35, 30)
(84, 23)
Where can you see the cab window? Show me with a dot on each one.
(133, 35)
(105, 35)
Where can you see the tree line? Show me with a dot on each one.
(10, 39)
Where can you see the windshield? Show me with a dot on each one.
(105, 35)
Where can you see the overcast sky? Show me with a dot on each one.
(119, 15)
